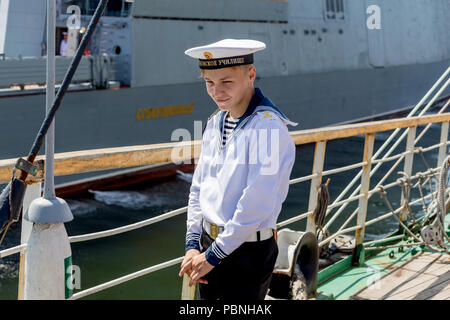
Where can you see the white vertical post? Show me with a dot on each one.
(408, 166)
(358, 257)
(49, 186)
(319, 158)
(48, 255)
(187, 293)
(48, 258)
(33, 192)
(443, 148)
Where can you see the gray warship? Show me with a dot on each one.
(326, 62)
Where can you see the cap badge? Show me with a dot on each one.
(208, 55)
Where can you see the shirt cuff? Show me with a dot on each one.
(214, 254)
(192, 241)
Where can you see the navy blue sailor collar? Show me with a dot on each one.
(259, 102)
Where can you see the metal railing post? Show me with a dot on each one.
(407, 168)
(443, 148)
(319, 158)
(358, 255)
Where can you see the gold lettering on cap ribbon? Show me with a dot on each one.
(230, 61)
(208, 63)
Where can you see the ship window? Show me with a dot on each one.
(334, 10)
(115, 8)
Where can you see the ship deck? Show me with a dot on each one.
(408, 273)
(426, 276)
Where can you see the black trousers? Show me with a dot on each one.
(244, 275)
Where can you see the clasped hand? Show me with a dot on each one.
(196, 266)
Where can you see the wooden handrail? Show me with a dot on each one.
(349, 130)
(134, 156)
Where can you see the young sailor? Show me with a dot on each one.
(241, 179)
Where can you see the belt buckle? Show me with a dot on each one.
(214, 230)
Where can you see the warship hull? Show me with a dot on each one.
(128, 116)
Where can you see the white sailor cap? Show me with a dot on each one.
(226, 53)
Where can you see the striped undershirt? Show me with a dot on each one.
(230, 124)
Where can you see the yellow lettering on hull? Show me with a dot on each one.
(163, 112)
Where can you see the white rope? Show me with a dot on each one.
(374, 190)
(106, 233)
(126, 278)
(334, 235)
(416, 150)
(387, 159)
(387, 215)
(302, 179)
(370, 193)
(329, 172)
(127, 228)
(12, 250)
(170, 263)
(395, 246)
(333, 218)
(390, 138)
(360, 164)
(294, 219)
(180, 259)
(369, 243)
(342, 169)
(348, 200)
(382, 217)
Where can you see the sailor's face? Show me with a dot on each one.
(228, 86)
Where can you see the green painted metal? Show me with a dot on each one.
(68, 290)
(355, 278)
(359, 255)
(342, 280)
(334, 270)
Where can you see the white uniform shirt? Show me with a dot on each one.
(241, 185)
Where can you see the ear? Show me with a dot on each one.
(252, 74)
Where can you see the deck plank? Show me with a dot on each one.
(425, 276)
